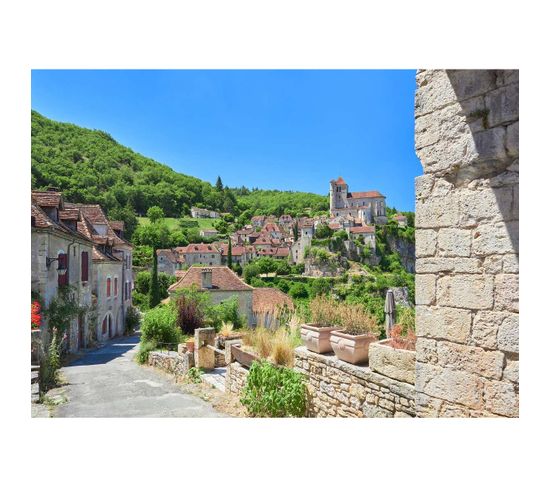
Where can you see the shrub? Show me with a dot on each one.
(355, 320)
(145, 347)
(190, 315)
(159, 324)
(298, 290)
(194, 374)
(401, 340)
(282, 350)
(132, 320)
(272, 391)
(325, 311)
(226, 329)
(228, 311)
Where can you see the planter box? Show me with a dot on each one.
(352, 349)
(243, 357)
(316, 339)
(395, 363)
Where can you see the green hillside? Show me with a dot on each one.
(90, 166)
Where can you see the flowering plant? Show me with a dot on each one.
(36, 317)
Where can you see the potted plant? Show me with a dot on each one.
(358, 330)
(395, 357)
(324, 320)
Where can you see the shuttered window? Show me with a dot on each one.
(63, 263)
(84, 266)
(108, 287)
(116, 287)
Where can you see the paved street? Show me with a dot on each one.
(109, 383)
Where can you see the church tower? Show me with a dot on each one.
(338, 195)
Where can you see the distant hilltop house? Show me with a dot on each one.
(208, 232)
(367, 232)
(401, 220)
(203, 213)
(367, 206)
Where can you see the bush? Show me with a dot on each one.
(272, 391)
(228, 311)
(132, 320)
(190, 315)
(159, 324)
(298, 290)
(145, 347)
(140, 300)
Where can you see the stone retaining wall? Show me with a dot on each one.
(171, 362)
(340, 389)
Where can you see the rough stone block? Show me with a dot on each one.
(425, 289)
(426, 350)
(452, 324)
(485, 328)
(475, 360)
(508, 334)
(468, 83)
(465, 291)
(496, 238)
(503, 105)
(451, 385)
(448, 265)
(437, 212)
(425, 242)
(511, 371)
(507, 292)
(512, 140)
(487, 204)
(501, 398)
(454, 242)
(490, 144)
(423, 186)
(372, 411)
(507, 76)
(434, 90)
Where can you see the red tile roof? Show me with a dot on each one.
(223, 279)
(269, 300)
(117, 224)
(198, 249)
(48, 198)
(69, 214)
(365, 194)
(370, 229)
(340, 181)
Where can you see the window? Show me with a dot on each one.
(63, 263)
(104, 325)
(108, 287)
(84, 266)
(116, 286)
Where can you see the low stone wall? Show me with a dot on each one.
(340, 389)
(171, 362)
(235, 378)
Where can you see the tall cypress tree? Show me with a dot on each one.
(229, 254)
(219, 184)
(154, 290)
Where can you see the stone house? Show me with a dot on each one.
(208, 232)
(297, 250)
(168, 261)
(286, 220)
(368, 206)
(367, 232)
(203, 213)
(221, 283)
(401, 220)
(272, 230)
(60, 255)
(241, 255)
(275, 252)
(201, 254)
(267, 306)
(258, 220)
(112, 271)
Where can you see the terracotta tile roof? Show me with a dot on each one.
(117, 224)
(41, 220)
(48, 198)
(168, 254)
(69, 214)
(334, 226)
(365, 194)
(340, 181)
(271, 227)
(400, 217)
(235, 250)
(94, 213)
(198, 249)
(223, 279)
(271, 300)
(363, 229)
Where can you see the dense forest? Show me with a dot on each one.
(90, 166)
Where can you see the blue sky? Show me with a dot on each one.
(272, 129)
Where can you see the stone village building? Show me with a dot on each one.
(73, 244)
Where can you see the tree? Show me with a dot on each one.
(128, 216)
(155, 214)
(323, 231)
(219, 184)
(229, 254)
(154, 289)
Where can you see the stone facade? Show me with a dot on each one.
(467, 243)
(340, 389)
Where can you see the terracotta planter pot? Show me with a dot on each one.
(352, 349)
(315, 338)
(190, 346)
(395, 363)
(243, 357)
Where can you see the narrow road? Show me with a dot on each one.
(108, 383)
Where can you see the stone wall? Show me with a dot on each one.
(339, 389)
(171, 362)
(467, 243)
(235, 378)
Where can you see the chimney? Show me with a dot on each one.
(206, 276)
